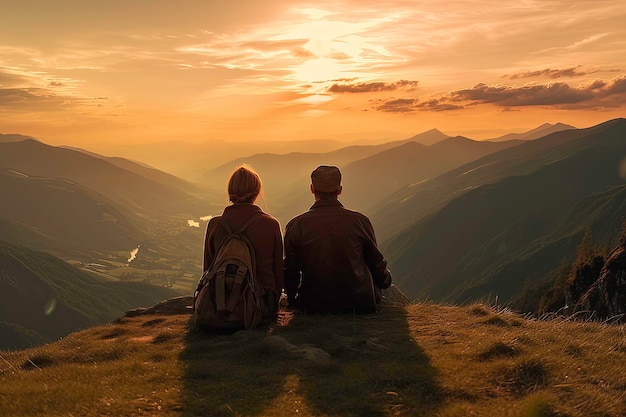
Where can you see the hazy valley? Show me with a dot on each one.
(458, 219)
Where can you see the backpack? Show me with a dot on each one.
(229, 296)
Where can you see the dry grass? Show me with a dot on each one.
(423, 360)
(509, 366)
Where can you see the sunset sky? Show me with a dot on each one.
(100, 73)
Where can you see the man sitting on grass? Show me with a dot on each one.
(332, 262)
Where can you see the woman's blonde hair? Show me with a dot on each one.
(244, 185)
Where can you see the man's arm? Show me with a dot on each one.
(374, 258)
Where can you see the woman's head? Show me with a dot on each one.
(244, 185)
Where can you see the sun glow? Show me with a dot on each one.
(232, 69)
(321, 69)
(338, 49)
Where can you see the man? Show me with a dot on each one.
(332, 263)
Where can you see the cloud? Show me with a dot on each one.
(372, 87)
(551, 73)
(540, 94)
(400, 105)
(618, 85)
(40, 99)
(437, 105)
(8, 79)
(595, 94)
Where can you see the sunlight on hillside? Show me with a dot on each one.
(425, 359)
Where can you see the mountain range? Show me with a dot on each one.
(372, 179)
(137, 193)
(371, 173)
(92, 210)
(458, 219)
(283, 171)
(489, 226)
(75, 204)
(62, 216)
(192, 161)
(414, 201)
(145, 171)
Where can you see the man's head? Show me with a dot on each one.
(326, 182)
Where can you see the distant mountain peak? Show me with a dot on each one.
(452, 141)
(550, 127)
(536, 133)
(7, 138)
(429, 137)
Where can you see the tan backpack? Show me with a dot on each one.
(229, 296)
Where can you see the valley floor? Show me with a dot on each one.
(420, 360)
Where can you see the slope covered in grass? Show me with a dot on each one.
(493, 238)
(420, 360)
(44, 298)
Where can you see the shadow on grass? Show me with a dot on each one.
(349, 365)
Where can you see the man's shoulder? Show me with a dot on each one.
(295, 220)
(338, 211)
(355, 214)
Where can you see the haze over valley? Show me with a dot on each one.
(428, 195)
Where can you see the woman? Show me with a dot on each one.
(244, 187)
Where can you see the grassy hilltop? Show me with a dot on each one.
(421, 360)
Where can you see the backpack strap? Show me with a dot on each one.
(225, 224)
(220, 285)
(235, 293)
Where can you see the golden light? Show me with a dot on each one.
(320, 69)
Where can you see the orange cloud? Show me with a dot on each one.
(400, 105)
(40, 100)
(372, 87)
(551, 73)
(596, 94)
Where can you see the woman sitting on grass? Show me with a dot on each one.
(261, 230)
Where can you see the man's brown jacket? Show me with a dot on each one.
(332, 261)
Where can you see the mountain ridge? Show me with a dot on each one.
(136, 192)
(73, 217)
(536, 133)
(143, 170)
(388, 171)
(414, 201)
(509, 216)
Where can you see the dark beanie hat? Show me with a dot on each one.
(326, 179)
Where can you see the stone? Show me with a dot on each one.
(173, 306)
